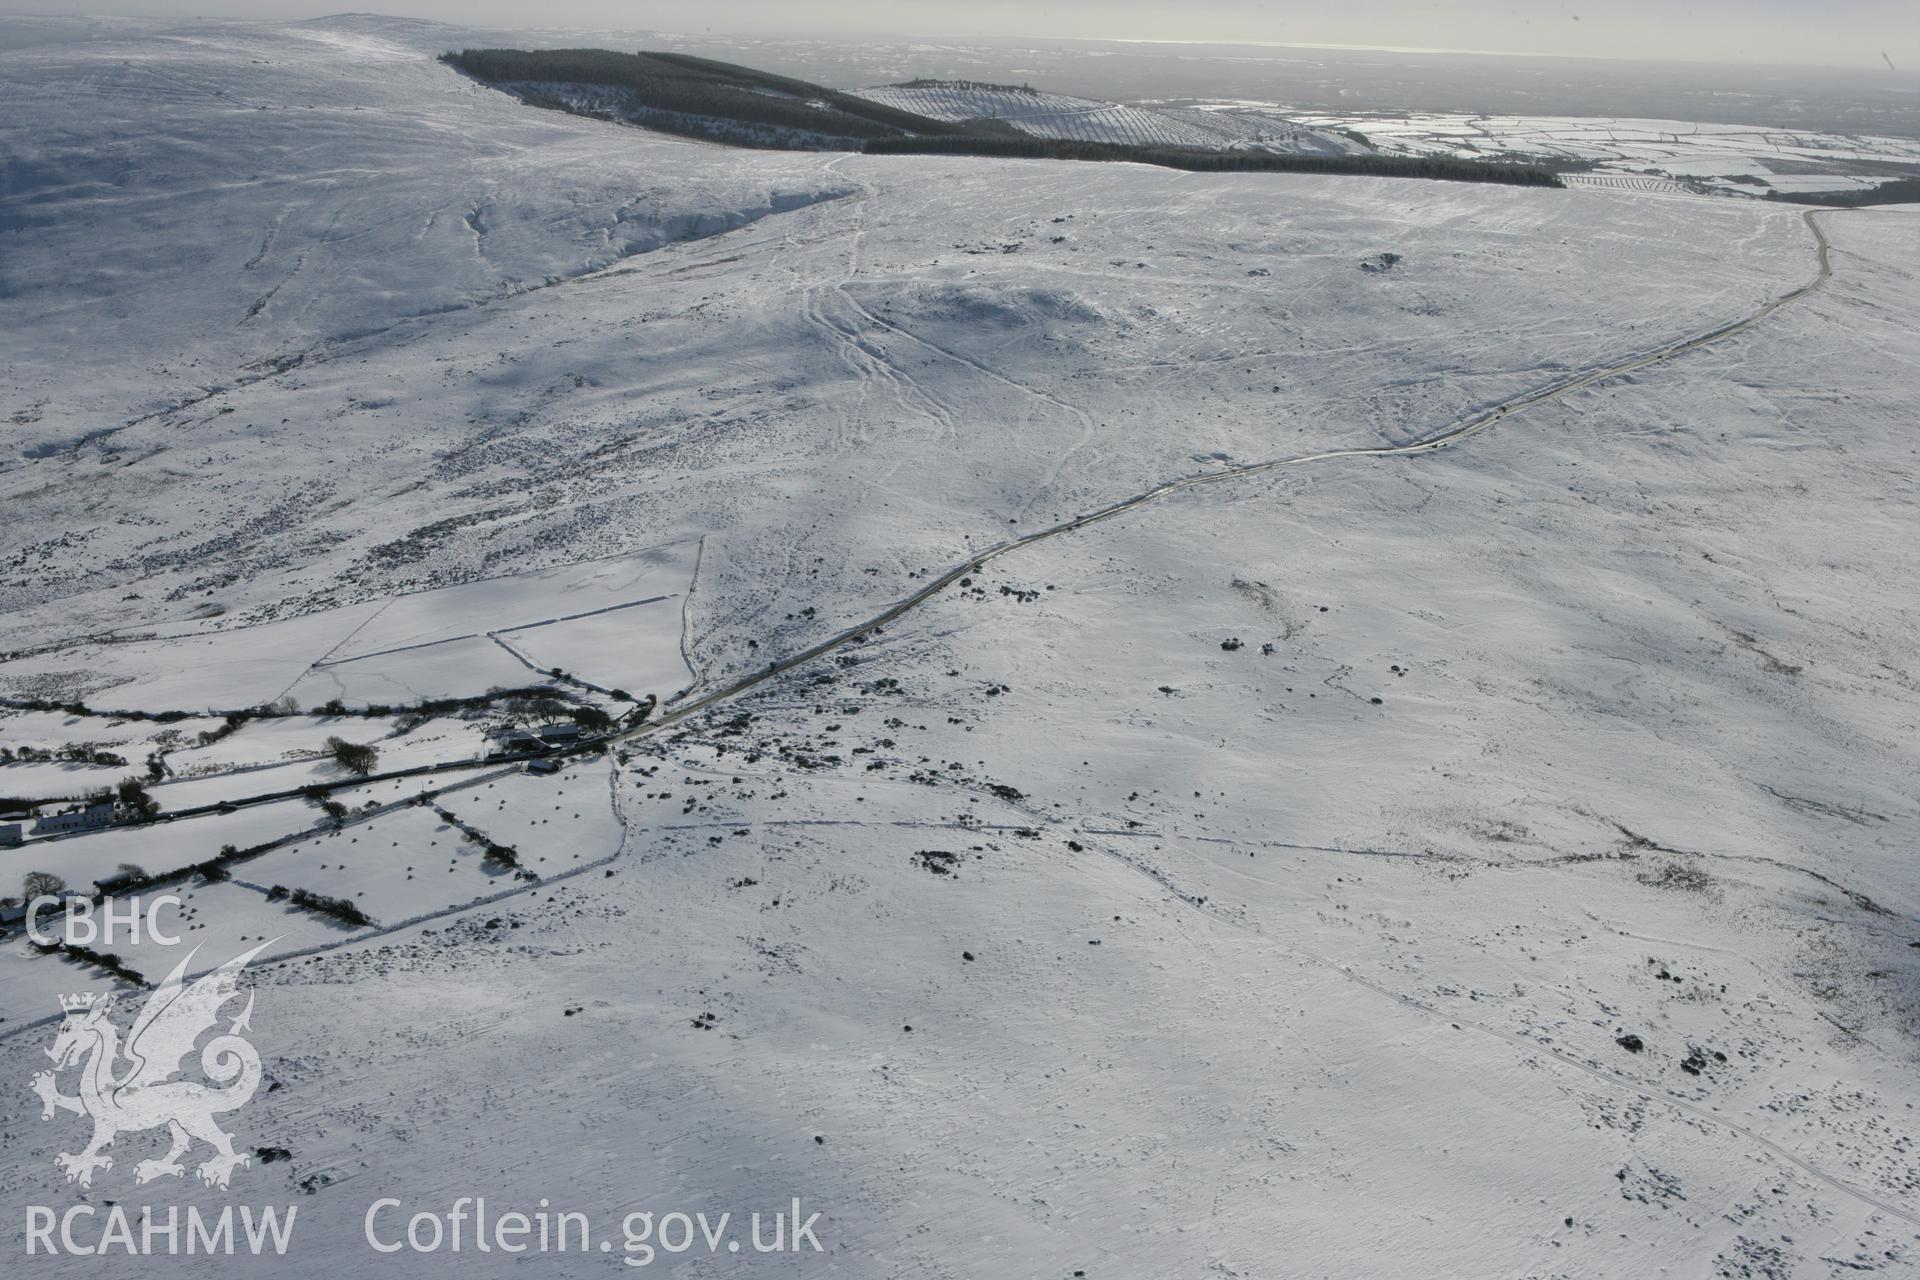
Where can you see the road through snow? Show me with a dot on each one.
(1426, 444)
(1440, 440)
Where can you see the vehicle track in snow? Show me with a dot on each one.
(1427, 444)
(1649, 1092)
(1438, 440)
(1242, 924)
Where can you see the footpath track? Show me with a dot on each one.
(1442, 439)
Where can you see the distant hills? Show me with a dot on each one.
(740, 106)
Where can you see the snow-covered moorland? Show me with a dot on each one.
(1489, 859)
(1650, 155)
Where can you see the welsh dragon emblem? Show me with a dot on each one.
(125, 1090)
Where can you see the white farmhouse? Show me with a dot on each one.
(91, 818)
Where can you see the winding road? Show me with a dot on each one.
(1426, 444)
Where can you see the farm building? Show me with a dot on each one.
(91, 818)
(513, 739)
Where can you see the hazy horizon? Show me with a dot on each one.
(1868, 36)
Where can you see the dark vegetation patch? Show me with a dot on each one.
(1200, 160)
(988, 85)
(355, 757)
(69, 753)
(709, 99)
(939, 861)
(1685, 877)
(105, 961)
(320, 904)
(1897, 191)
(425, 709)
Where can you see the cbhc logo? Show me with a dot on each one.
(85, 927)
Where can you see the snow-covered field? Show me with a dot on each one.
(616, 619)
(1056, 115)
(1491, 860)
(1650, 155)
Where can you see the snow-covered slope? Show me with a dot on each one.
(1490, 860)
(1054, 115)
(189, 211)
(1019, 335)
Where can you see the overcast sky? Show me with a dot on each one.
(1833, 32)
